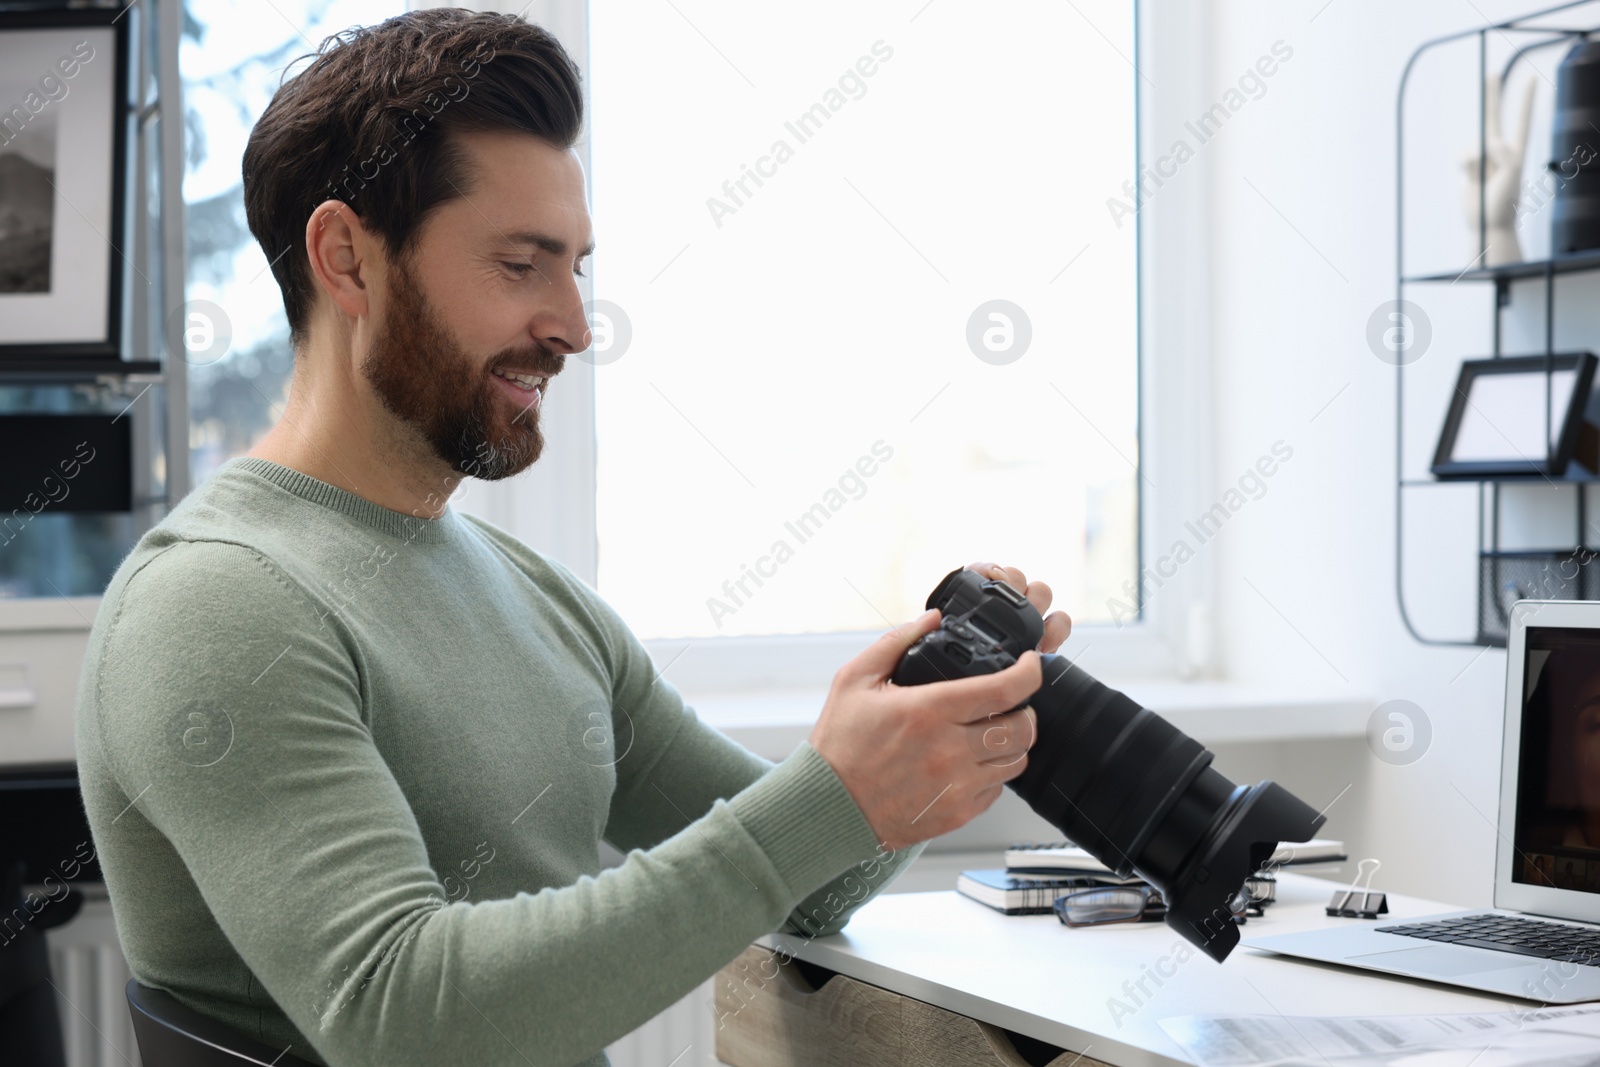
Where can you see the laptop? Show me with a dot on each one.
(1541, 940)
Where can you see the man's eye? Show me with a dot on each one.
(519, 269)
(578, 271)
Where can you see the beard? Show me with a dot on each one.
(425, 379)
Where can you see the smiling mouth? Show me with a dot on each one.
(528, 383)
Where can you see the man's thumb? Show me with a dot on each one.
(881, 657)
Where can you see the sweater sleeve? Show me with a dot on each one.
(694, 767)
(678, 767)
(310, 861)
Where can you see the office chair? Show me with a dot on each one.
(172, 1035)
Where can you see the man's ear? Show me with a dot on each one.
(338, 248)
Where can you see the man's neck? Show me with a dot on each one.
(326, 433)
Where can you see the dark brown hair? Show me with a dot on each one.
(369, 123)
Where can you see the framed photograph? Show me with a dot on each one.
(63, 174)
(1500, 412)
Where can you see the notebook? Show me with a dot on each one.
(1015, 894)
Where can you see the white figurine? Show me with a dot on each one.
(1504, 174)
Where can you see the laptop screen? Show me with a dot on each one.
(1557, 831)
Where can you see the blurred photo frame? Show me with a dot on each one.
(1497, 419)
(63, 180)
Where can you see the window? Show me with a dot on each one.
(867, 308)
(863, 312)
(232, 56)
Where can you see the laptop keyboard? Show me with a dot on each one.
(1507, 933)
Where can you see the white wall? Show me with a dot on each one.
(1303, 217)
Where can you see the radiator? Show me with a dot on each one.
(91, 978)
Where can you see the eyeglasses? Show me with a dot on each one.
(1111, 904)
(1105, 905)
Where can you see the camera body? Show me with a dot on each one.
(1124, 784)
(981, 626)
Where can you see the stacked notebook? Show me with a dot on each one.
(1029, 894)
(1035, 875)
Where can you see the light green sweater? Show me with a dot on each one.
(347, 771)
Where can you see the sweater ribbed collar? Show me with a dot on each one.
(395, 523)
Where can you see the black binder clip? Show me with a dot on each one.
(1359, 901)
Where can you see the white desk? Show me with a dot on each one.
(1032, 975)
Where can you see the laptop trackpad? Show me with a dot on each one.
(1439, 961)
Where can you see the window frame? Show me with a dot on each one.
(553, 506)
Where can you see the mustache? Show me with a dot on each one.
(541, 362)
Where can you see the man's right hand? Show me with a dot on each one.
(923, 760)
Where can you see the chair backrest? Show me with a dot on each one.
(171, 1034)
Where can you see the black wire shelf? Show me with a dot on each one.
(1584, 478)
(72, 370)
(1501, 574)
(1571, 263)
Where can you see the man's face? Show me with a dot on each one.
(490, 291)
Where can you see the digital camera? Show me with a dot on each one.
(1117, 779)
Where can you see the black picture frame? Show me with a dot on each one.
(73, 335)
(67, 463)
(1565, 432)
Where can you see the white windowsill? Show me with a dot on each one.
(772, 722)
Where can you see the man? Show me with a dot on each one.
(348, 753)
